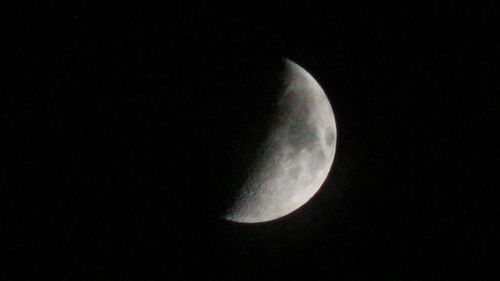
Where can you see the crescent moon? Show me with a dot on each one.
(296, 155)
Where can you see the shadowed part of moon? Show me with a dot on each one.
(296, 155)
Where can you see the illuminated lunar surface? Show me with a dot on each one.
(295, 157)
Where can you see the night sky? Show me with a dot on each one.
(128, 127)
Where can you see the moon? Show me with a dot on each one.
(296, 155)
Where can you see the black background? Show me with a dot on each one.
(126, 126)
